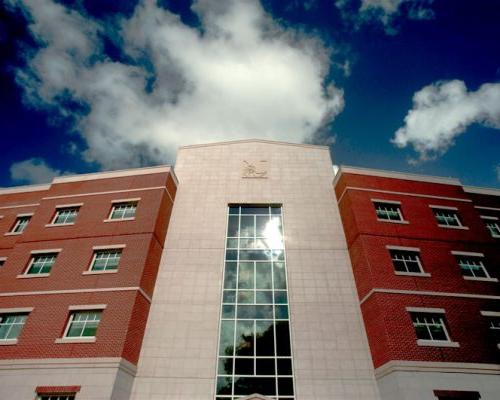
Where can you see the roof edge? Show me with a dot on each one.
(24, 188)
(396, 175)
(482, 190)
(113, 174)
(266, 141)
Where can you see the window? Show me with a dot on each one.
(493, 320)
(456, 395)
(492, 225)
(65, 216)
(106, 260)
(20, 224)
(430, 326)
(41, 263)
(406, 261)
(2, 261)
(125, 210)
(471, 265)
(387, 211)
(83, 324)
(11, 325)
(446, 217)
(56, 396)
(254, 353)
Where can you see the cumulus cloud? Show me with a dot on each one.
(442, 111)
(33, 171)
(385, 12)
(239, 75)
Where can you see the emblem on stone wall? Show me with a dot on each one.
(254, 169)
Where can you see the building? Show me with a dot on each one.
(426, 260)
(232, 278)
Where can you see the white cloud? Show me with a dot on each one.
(33, 171)
(442, 111)
(243, 77)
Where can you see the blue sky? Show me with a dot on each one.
(406, 85)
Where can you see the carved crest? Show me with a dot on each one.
(254, 169)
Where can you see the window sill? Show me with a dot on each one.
(393, 222)
(76, 340)
(472, 278)
(495, 236)
(28, 276)
(8, 342)
(112, 271)
(119, 220)
(12, 233)
(436, 343)
(421, 275)
(465, 228)
(54, 225)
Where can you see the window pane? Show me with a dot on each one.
(226, 338)
(284, 366)
(225, 366)
(243, 366)
(279, 275)
(244, 338)
(265, 338)
(230, 276)
(224, 385)
(283, 338)
(263, 276)
(265, 366)
(232, 229)
(246, 276)
(247, 386)
(247, 228)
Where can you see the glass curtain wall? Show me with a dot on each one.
(254, 346)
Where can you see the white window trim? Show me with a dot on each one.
(489, 217)
(53, 223)
(89, 271)
(437, 343)
(30, 214)
(72, 310)
(483, 279)
(386, 201)
(429, 310)
(3, 259)
(486, 278)
(422, 274)
(87, 307)
(16, 310)
(33, 253)
(467, 253)
(134, 199)
(403, 248)
(403, 221)
(490, 313)
(109, 247)
(43, 251)
(11, 232)
(466, 228)
(443, 207)
(69, 205)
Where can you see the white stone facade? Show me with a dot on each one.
(179, 353)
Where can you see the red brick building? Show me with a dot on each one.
(426, 261)
(79, 259)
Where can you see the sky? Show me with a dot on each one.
(402, 85)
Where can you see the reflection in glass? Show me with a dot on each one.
(244, 338)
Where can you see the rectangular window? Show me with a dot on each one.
(2, 261)
(41, 263)
(492, 225)
(56, 396)
(65, 215)
(493, 321)
(11, 325)
(20, 224)
(254, 343)
(456, 395)
(430, 326)
(83, 324)
(125, 210)
(472, 266)
(446, 217)
(106, 260)
(388, 211)
(406, 261)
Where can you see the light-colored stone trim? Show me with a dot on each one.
(74, 205)
(417, 274)
(487, 208)
(8, 342)
(73, 291)
(16, 310)
(397, 175)
(404, 248)
(87, 307)
(109, 247)
(428, 196)
(490, 313)
(230, 142)
(12, 233)
(443, 207)
(55, 225)
(52, 363)
(112, 174)
(43, 251)
(104, 272)
(30, 276)
(386, 201)
(431, 366)
(488, 217)
(482, 279)
(465, 228)
(394, 221)
(24, 188)
(426, 309)
(20, 205)
(482, 190)
(436, 343)
(63, 340)
(105, 192)
(130, 200)
(119, 219)
(426, 293)
(29, 214)
(466, 253)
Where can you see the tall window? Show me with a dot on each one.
(65, 215)
(20, 224)
(254, 346)
(388, 211)
(446, 217)
(125, 210)
(11, 325)
(492, 225)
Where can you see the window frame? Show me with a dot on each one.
(2, 261)
(39, 253)
(495, 222)
(396, 204)
(74, 310)
(480, 257)
(13, 230)
(62, 208)
(491, 325)
(22, 311)
(414, 250)
(433, 313)
(96, 250)
(116, 203)
(437, 208)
